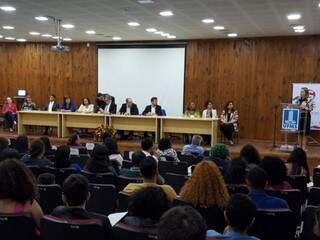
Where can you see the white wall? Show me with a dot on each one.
(141, 73)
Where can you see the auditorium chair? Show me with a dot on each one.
(314, 196)
(299, 182)
(61, 173)
(166, 158)
(103, 198)
(100, 178)
(123, 201)
(237, 188)
(176, 181)
(308, 219)
(53, 228)
(276, 224)
(124, 181)
(122, 231)
(190, 159)
(36, 170)
(49, 197)
(126, 164)
(13, 142)
(17, 227)
(173, 167)
(81, 160)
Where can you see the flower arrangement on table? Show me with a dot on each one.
(103, 131)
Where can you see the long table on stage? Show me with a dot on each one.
(64, 121)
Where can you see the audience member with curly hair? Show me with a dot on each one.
(297, 163)
(250, 154)
(236, 173)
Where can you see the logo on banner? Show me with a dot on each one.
(290, 119)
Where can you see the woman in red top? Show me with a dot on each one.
(9, 109)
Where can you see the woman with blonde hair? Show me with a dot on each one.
(208, 193)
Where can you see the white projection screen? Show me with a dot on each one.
(141, 73)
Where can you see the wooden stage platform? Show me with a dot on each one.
(264, 147)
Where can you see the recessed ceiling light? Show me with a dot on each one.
(319, 5)
(208, 20)
(218, 27)
(171, 37)
(158, 32)
(151, 30)
(133, 24)
(67, 26)
(46, 35)
(1, 36)
(299, 30)
(67, 39)
(41, 18)
(34, 33)
(56, 37)
(166, 13)
(9, 38)
(145, 1)
(21, 40)
(90, 32)
(8, 27)
(7, 8)
(116, 38)
(232, 35)
(165, 34)
(294, 16)
(298, 27)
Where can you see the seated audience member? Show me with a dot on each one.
(9, 109)
(52, 105)
(67, 105)
(129, 108)
(240, 214)
(4, 143)
(182, 223)
(316, 227)
(62, 159)
(146, 206)
(100, 103)
(18, 190)
(99, 161)
(207, 192)
(46, 179)
(9, 153)
(209, 112)
(74, 141)
(154, 109)
(147, 147)
(114, 154)
(297, 163)
(257, 181)
(49, 152)
(134, 171)
(195, 147)
(36, 155)
(251, 155)
(75, 194)
(236, 173)
(165, 150)
(229, 121)
(110, 106)
(86, 106)
(28, 105)
(22, 144)
(220, 154)
(277, 173)
(149, 172)
(192, 111)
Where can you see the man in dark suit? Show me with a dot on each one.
(154, 109)
(100, 103)
(75, 195)
(52, 106)
(129, 108)
(110, 106)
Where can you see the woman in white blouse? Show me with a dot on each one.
(86, 106)
(209, 112)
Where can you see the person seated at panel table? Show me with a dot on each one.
(209, 112)
(129, 108)
(28, 105)
(110, 107)
(68, 105)
(192, 111)
(86, 106)
(52, 106)
(154, 109)
(229, 121)
(100, 103)
(9, 109)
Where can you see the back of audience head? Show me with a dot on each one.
(136, 158)
(196, 140)
(46, 179)
(316, 227)
(236, 173)
(22, 144)
(182, 223)
(298, 159)
(75, 190)
(148, 168)
(206, 187)
(149, 203)
(16, 182)
(147, 144)
(4, 143)
(37, 149)
(99, 158)
(61, 157)
(240, 212)
(164, 144)
(112, 145)
(250, 154)
(275, 168)
(9, 153)
(47, 143)
(220, 150)
(74, 140)
(257, 179)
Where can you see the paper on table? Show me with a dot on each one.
(114, 218)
